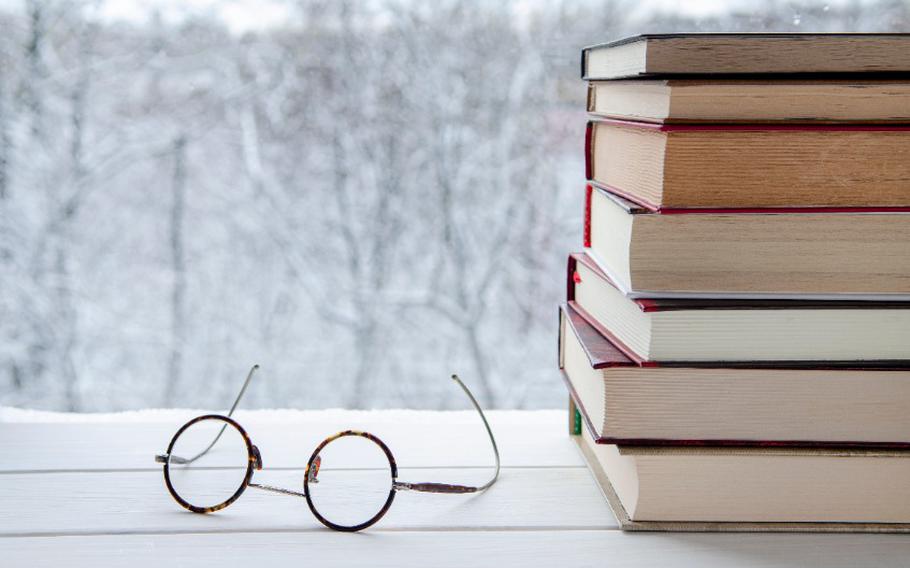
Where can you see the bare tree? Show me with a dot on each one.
(62, 227)
(37, 72)
(178, 268)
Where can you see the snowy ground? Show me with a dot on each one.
(178, 415)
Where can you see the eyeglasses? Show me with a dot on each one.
(211, 459)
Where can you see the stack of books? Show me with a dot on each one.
(736, 337)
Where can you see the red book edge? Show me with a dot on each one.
(758, 126)
(586, 241)
(779, 210)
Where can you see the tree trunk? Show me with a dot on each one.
(178, 270)
(36, 70)
(365, 347)
(472, 306)
(67, 325)
(5, 151)
(480, 365)
(6, 229)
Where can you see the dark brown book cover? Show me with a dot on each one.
(761, 54)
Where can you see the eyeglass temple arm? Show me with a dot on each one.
(185, 461)
(451, 488)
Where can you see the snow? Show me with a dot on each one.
(280, 416)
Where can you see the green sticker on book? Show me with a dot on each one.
(577, 427)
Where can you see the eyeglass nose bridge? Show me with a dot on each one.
(257, 458)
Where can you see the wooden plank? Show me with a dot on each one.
(138, 502)
(458, 549)
(418, 439)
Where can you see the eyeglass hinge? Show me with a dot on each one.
(161, 458)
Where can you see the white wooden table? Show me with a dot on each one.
(84, 491)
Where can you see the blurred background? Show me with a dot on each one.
(363, 197)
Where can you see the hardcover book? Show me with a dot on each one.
(692, 166)
(744, 332)
(822, 254)
(633, 403)
(752, 100)
(653, 55)
(751, 490)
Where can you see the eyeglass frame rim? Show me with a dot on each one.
(393, 489)
(247, 478)
(255, 462)
(252, 465)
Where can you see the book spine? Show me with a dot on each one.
(589, 157)
(591, 102)
(589, 191)
(571, 276)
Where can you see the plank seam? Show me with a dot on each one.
(569, 528)
(289, 468)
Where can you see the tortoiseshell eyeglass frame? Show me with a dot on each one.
(312, 467)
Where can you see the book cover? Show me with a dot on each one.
(739, 54)
(859, 149)
(700, 245)
(663, 304)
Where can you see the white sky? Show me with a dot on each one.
(238, 15)
(243, 15)
(249, 15)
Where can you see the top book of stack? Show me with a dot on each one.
(678, 55)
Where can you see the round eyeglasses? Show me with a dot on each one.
(210, 462)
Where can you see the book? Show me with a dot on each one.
(750, 253)
(740, 331)
(651, 55)
(631, 403)
(752, 489)
(680, 166)
(752, 100)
